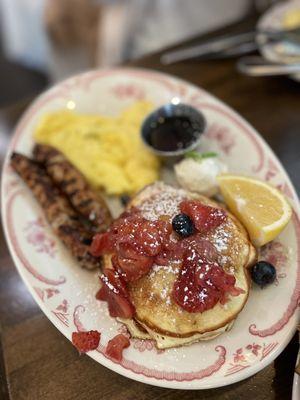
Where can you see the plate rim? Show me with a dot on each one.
(223, 381)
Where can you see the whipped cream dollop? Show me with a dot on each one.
(200, 175)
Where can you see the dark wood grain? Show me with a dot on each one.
(37, 362)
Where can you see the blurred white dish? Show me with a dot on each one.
(282, 52)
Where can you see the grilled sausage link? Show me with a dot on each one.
(59, 213)
(71, 182)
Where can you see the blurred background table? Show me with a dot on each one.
(38, 362)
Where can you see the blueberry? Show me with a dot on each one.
(263, 273)
(183, 225)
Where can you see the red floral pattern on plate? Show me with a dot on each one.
(45, 293)
(295, 297)
(244, 357)
(84, 80)
(223, 136)
(61, 312)
(140, 344)
(63, 306)
(146, 345)
(18, 248)
(125, 91)
(285, 189)
(254, 348)
(238, 356)
(272, 170)
(155, 373)
(276, 254)
(36, 235)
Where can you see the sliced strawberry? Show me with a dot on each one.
(114, 292)
(210, 274)
(190, 296)
(101, 244)
(214, 274)
(127, 250)
(144, 236)
(205, 218)
(86, 341)
(135, 269)
(118, 306)
(132, 264)
(205, 248)
(126, 225)
(149, 239)
(202, 247)
(164, 226)
(201, 283)
(115, 280)
(116, 346)
(101, 294)
(163, 258)
(165, 230)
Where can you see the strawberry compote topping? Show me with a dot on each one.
(86, 341)
(136, 244)
(114, 291)
(204, 217)
(201, 284)
(116, 346)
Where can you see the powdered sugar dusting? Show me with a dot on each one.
(222, 238)
(170, 268)
(165, 270)
(165, 202)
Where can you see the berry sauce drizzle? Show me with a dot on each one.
(137, 244)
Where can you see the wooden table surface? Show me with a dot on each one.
(38, 362)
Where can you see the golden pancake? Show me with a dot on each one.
(156, 311)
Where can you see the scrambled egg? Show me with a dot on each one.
(107, 150)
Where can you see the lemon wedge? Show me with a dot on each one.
(262, 209)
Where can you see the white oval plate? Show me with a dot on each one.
(65, 293)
